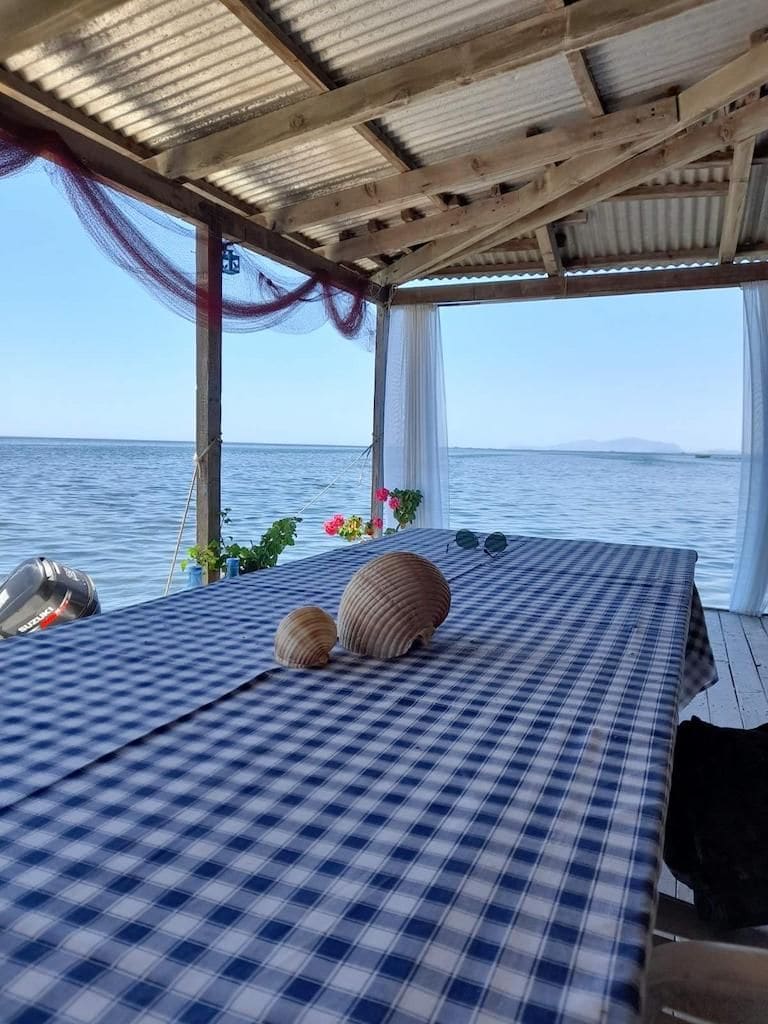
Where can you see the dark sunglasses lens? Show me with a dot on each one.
(466, 539)
(495, 543)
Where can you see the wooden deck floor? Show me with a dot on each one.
(740, 696)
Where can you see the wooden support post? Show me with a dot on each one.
(379, 395)
(208, 402)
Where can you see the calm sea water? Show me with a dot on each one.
(113, 508)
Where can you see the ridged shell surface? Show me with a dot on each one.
(392, 603)
(305, 638)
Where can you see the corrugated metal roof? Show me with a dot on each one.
(355, 38)
(754, 228)
(148, 68)
(636, 227)
(675, 52)
(323, 164)
(542, 95)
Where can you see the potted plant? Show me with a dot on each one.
(275, 539)
(403, 503)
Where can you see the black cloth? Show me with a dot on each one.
(717, 825)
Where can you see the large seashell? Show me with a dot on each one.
(394, 601)
(305, 638)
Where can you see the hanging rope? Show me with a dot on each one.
(348, 466)
(195, 473)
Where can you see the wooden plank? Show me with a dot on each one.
(311, 71)
(749, 688)
(586, 286)
(581, 24)
(379, 395)
(692, 190)
(723, 703)
(127, 174)
(698, 707)
(736, 201)
(550, 250)
(508, 160)
(208, 335)
(585, 83)
(25, 23)
(582, 76)
(728, 83)
(757, 638)
(734, 80)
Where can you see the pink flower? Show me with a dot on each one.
(332, 526)
(382, 494)
(378, 522)
(394, 503)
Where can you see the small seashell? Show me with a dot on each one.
(305, 638)
(393, 602)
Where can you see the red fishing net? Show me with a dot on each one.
(159, 251)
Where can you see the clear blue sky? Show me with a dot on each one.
(87, 353)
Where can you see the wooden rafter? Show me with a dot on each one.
(586, 285)
(374, 242)
(27, 23)
(549, 249)
(198, 206)
(580, 24)
(312, 72)
(684, 190)
(736, 200)
(586, 180)
(509, 160)
(582, 76)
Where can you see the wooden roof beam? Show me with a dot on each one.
(582, 76)
(27, 23)
(738, 186)
(368, 244)
(550, 250)
(580, 24)
(585, 180)
(578, 286)
(312, 72)
(511, 159)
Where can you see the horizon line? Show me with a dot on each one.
(554, 449)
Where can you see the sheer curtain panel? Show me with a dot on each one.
(415, 425)
(750, 583)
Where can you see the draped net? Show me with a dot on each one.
(159, 252)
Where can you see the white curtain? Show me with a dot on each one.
(415, 425)
(750, 581)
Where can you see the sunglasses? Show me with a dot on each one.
(495, 543)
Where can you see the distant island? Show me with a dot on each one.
(620, 444)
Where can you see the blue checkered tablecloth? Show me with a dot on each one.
(471, 833)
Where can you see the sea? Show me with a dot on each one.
(114, 508)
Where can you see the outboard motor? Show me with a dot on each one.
(41, 593)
